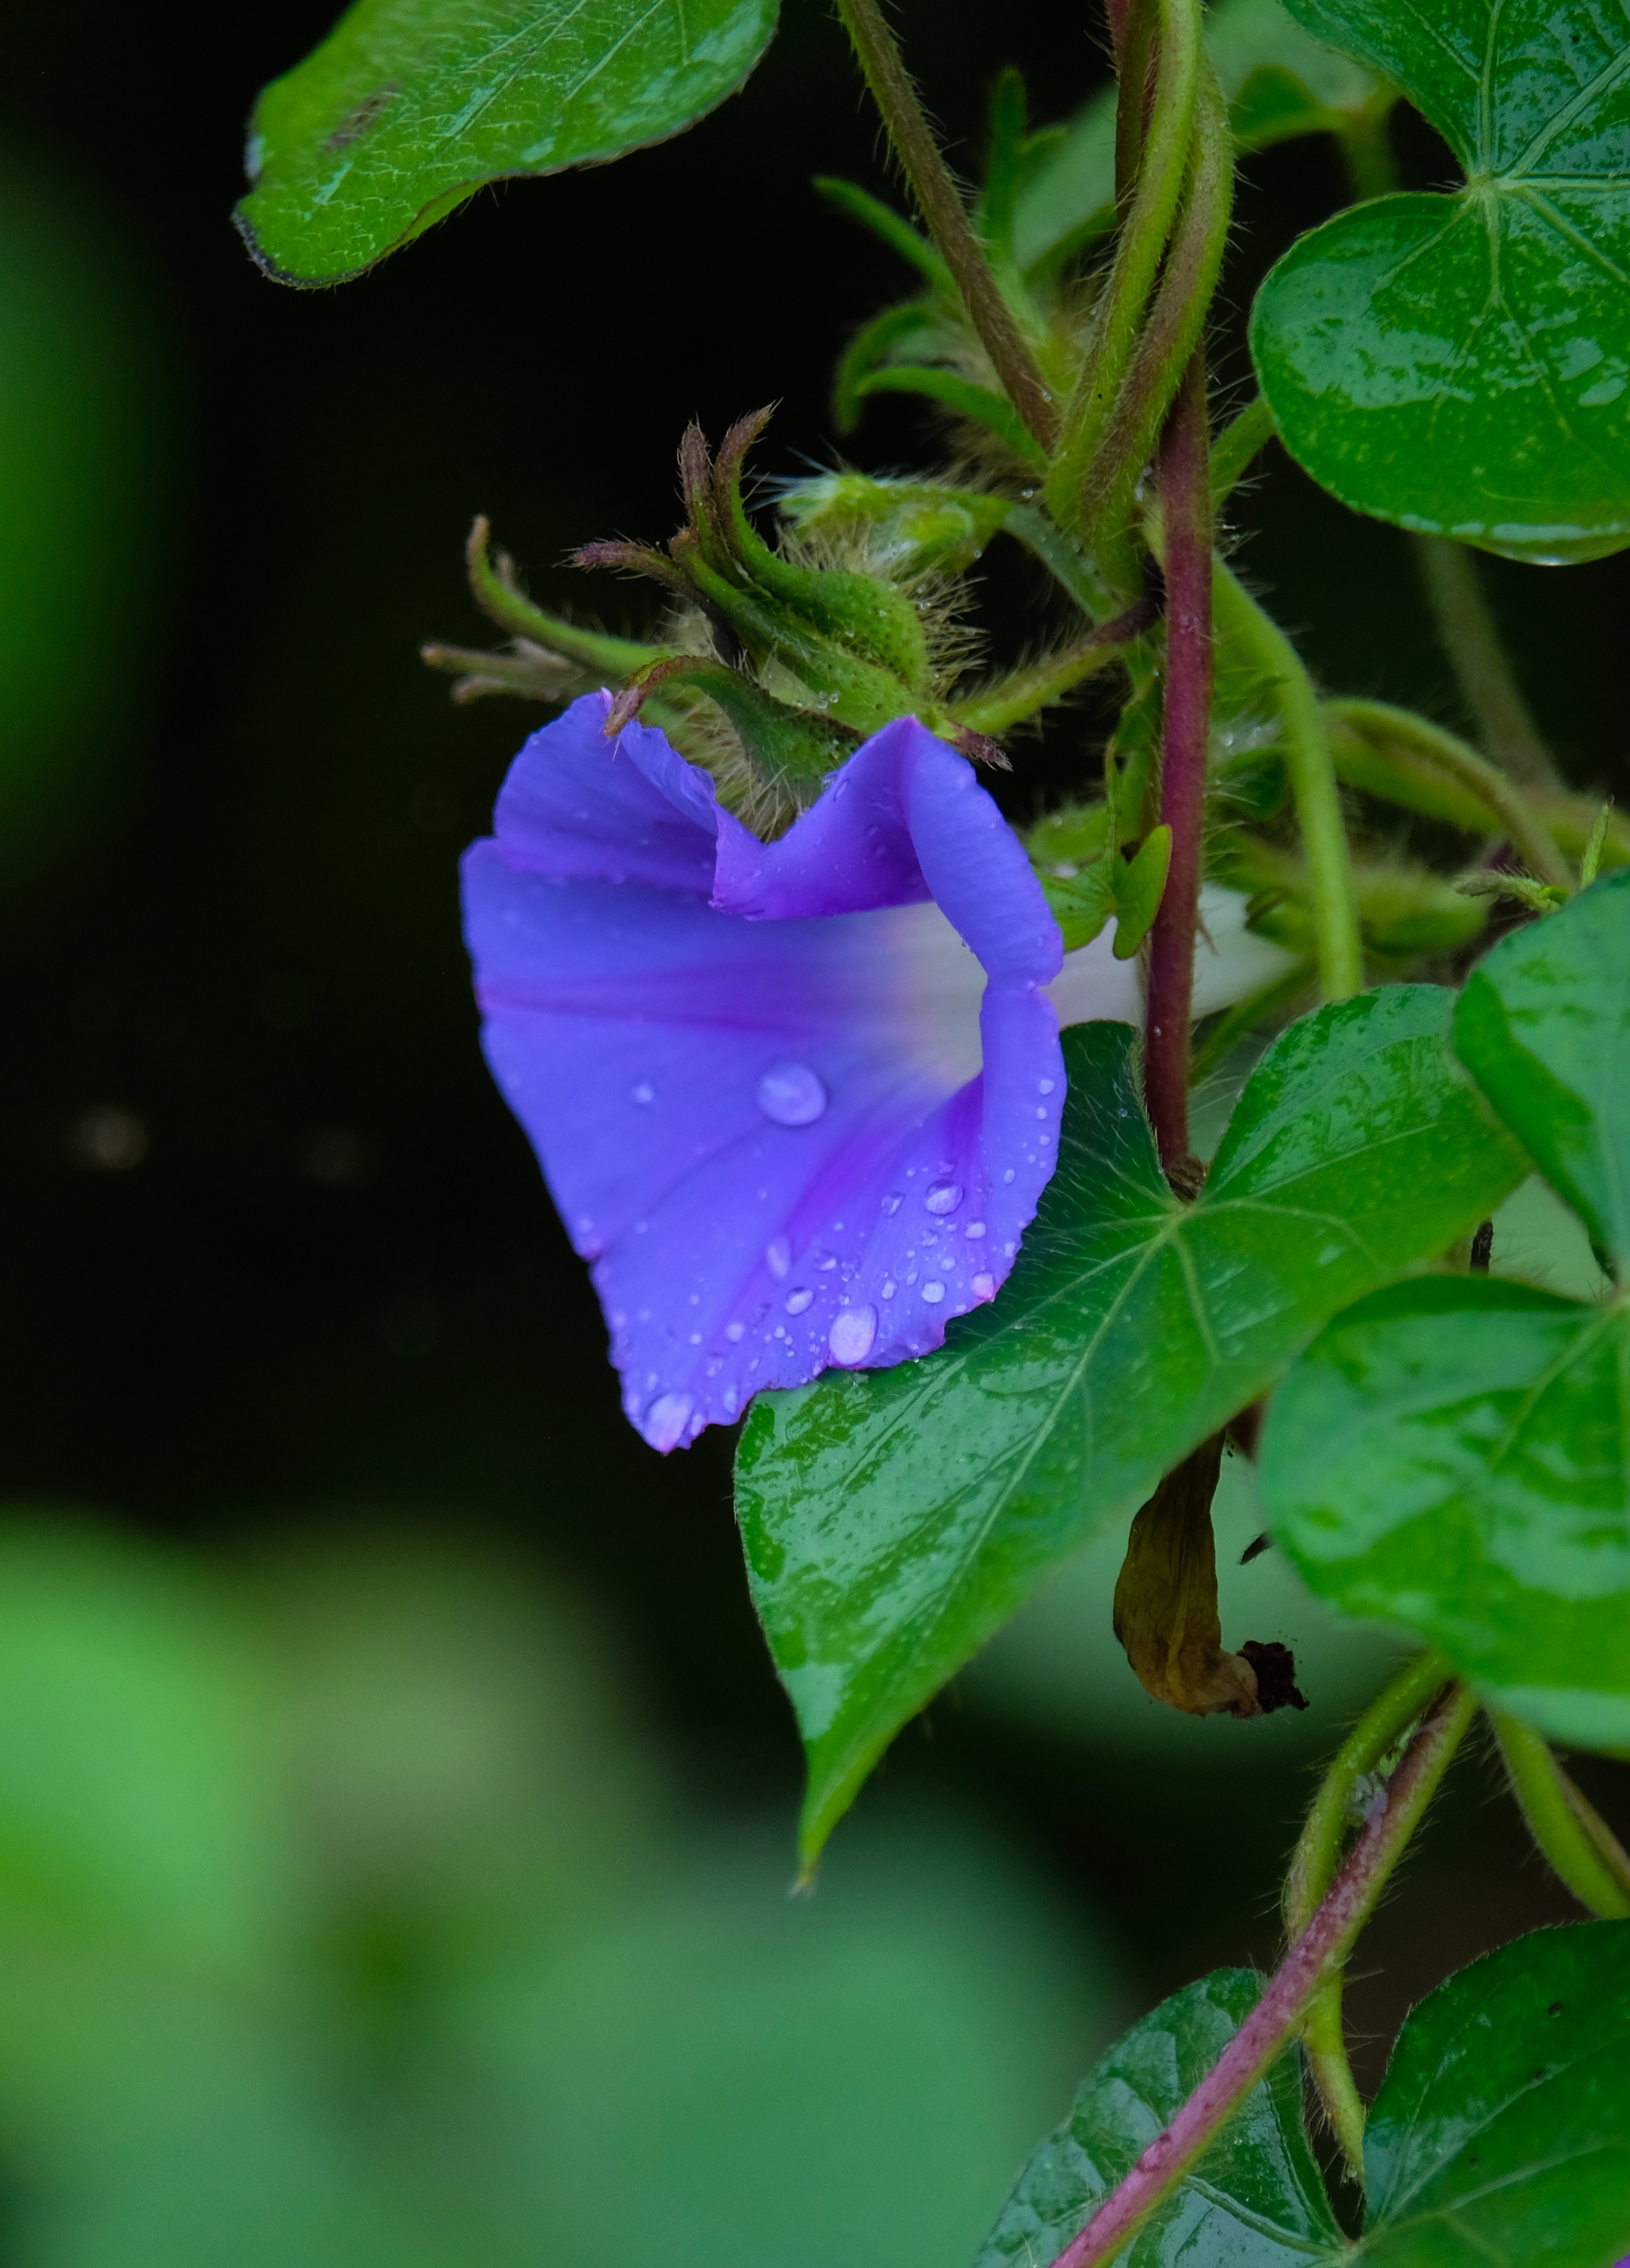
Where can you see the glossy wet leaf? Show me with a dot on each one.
(1502, 2133)
(894, 1519)
(1543, 1027)
(409, 106)
(1453, 1457)
(1461, 363)
(1279, 83)
(1255, 2198)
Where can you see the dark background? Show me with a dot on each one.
(332, 1277)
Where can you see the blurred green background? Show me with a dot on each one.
(395, 1803)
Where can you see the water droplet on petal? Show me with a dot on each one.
(975, 1228)
(733, 1331)
(778, 1256)
(984, 1287)
(791, 1094)
(1040, 1110)
(666, 1420)
(942, 1197)
(1008, 1176)
(641, 1093)
(889, 1290)
(933, 1293)
(853, 1330)
(1044, 1087)
(891, 1203)
(729, 1400)
(799, 1298)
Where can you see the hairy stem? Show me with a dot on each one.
(1581, 1847)
(1342, 1800)
(1472, 641)
(1027, 691)
(1528, 834)
(1138, 253)
(496, 593)
(1170, 336)
(1312, 780)
(941, 207)
(1272, 2024)
(1186, 512)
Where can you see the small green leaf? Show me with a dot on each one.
(1254, 2200)
(1460, 364)
(1544, 1027)
(1138, 889)
(894, 1519)
(1502, 2133)
(1453, 1457)
(409, 106)
(963, 397)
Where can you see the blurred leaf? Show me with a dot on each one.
(84, 533)
(1453, 1457)
(1543, 1027)
(135, 1800)
(1502, 2129)
(894, 1519)
(1458, 364)
(1255, 2199)
(409, 106)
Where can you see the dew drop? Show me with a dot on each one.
(933, 1293)
(666, 1420)
(1008, 1176)
(853, 1330)
(889, 1290)
(1044, 1087)
(891, 1204)
(730, 1401)
(641, 1093)
(791, 1094)
(778, 1256)
(733, 1332)
(943, 1197)
(975, 1228)
(984, 1287)
(799, 1298)
(1041, 1110)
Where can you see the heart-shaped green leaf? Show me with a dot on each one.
(1544, 1027)
(1254, 2200)
(1461, 363)
(894, 1519)
(409, 106)
(1453, 1457)
(1502, 2133)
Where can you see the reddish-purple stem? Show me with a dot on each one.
(1272, 2024)
(1186, 509)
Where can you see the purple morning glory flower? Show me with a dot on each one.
(797, 1101)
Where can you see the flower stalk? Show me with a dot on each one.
(1581, 1848)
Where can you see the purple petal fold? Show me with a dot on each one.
(797, 1101)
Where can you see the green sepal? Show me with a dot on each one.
(787, 748)
(907, 528)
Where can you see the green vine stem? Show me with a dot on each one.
(496, 593)
(1185, 514)
(1529, 835)
(1341, 1800)
(1321, 1949)
(1169, 338)
(941, 207)
(1013, 699)
(1580, 1845)
(1119, 318)
(1472, 641)
(1255, 634)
